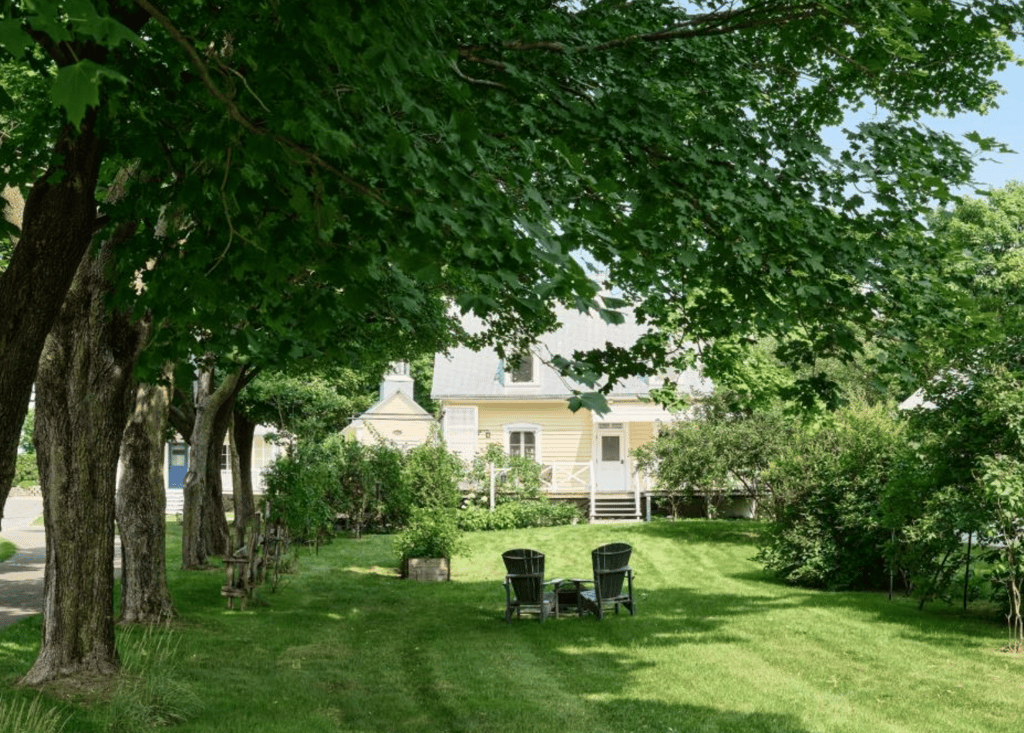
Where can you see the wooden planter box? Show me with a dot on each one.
(427, 569)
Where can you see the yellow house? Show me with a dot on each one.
(522, 406)
(395, 417)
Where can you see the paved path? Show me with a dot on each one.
(21, 577)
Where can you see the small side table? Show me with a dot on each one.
(569, 595)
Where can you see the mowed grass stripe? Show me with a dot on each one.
(344, 645)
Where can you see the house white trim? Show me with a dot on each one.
(524, 427)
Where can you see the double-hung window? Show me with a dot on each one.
(523, 440)
(522, 443)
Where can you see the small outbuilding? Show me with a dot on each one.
(396, 416)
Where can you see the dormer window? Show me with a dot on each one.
(522, 370)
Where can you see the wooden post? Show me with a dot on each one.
(490, 469)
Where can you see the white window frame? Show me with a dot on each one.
(535, 382)
(522, 427)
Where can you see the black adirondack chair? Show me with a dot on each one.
(611, 572)
(525, 587)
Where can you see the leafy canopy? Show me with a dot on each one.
(317, 179)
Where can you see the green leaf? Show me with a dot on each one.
(77, 87)
(13, 38)
(593, 401)
(104, 30)
(51, 26)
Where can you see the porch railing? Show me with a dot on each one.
(567, 476)
(555, 477)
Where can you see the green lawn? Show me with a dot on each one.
(344, 645)
(7, 550)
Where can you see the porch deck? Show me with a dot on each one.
(573, 482)
(576, 482)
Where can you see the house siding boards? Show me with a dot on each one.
(583, 454)
(566, 436)
(396, 418)
(563, 435)
(641, 433)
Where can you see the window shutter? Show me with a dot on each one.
(460, 431)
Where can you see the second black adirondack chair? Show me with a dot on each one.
(611, 572)
(525, 587)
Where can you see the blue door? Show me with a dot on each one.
(177, 465)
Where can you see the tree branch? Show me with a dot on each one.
(240, 117)
(704, 25)
(479, 82)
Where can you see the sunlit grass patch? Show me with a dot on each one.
(717, 645)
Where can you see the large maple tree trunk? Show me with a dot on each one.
(200, 507)
(57, 225)
(242, 433)
(84, 392)
(216, 524)
(141, 504)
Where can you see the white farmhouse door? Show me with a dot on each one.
(610, 460)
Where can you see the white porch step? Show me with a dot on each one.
(615, 508)
(175, 501)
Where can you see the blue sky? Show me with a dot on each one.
(1006, 124)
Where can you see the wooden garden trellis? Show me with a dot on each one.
(259, 560)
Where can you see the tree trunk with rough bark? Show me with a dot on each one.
(198, 512)
(141, 504)
(57, 225)
(242, 432)
(84, 393)
(216, 524)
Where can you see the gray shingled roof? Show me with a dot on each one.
(464, 373)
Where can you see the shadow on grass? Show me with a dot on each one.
(716, 531)
(665, 616)
(938, 623)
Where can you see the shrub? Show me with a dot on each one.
(518, 477)
(826, 491)
(26, 471)
(945, 489)
(1003, 482)
(518, 515)
(317, 482)
(298, 488)
(27, 428)
(721, 451)
(366, 483)
(431, 533)
(431, 476)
